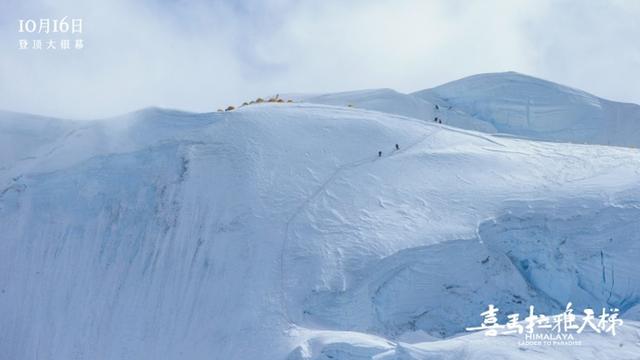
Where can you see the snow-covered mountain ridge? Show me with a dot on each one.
(508, 103)
(275, 231)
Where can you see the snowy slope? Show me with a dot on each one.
(325, 345)
(506, 103)
(393, 102)
(522, 105)
(275, 232)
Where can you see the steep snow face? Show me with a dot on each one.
(159, 234)
(22, 136)
(526, 106)
(276, 231)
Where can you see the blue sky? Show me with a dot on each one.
(201, 55)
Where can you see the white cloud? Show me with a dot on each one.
(201, 55)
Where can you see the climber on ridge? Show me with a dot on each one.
(397, 147)
(379, 153)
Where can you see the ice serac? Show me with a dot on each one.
(526, 106)
(275, 231)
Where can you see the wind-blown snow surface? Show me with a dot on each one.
(275, 232)
(507, 103)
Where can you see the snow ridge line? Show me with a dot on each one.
(323, 186)
(476, 134)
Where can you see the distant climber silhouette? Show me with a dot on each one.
(437, 107)
(397, 147)
(435, 119)
(379, 153)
